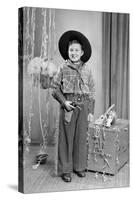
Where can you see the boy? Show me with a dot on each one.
(74, 90)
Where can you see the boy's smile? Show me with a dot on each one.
(75, 52)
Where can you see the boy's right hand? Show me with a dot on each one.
(69, 106)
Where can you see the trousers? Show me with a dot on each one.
(72, 153)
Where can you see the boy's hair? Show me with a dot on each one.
(74, 42)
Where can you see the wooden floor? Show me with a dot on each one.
(43, 179)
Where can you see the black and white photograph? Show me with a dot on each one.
(74, 100)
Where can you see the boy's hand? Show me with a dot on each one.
(68, 105)
(90, 118)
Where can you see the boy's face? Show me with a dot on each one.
(75, 52)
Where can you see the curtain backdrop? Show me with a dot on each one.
(115, 59)
(39, 107)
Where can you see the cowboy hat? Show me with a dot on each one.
(74, 35)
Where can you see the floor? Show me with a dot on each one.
(44, 179)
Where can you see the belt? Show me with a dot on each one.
(79, 98)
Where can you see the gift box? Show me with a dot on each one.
(108, 148)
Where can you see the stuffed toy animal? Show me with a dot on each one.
(42, 71)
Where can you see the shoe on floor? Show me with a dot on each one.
(66, 177)
(80, 173)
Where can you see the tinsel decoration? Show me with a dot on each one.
(99, 138)
(29, 37)
(39, 71)
(42, 70)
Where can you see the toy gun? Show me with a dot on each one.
(75, 105)
(103, 118)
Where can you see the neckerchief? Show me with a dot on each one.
(76, 67)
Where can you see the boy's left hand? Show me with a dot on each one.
(90, 117)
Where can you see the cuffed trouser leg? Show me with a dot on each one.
(72, 141)
(79, 142)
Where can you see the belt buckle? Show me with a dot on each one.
(79, 98)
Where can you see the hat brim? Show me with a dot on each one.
(74, 35)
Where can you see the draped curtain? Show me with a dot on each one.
(39, 108)
(115, 58)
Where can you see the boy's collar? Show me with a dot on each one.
(74, 65)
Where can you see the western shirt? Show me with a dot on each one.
(76, 79)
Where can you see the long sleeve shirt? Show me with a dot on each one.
(73, 79)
